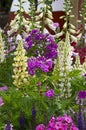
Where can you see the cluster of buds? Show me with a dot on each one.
(77, 65)
(2, 48)
(20, 73)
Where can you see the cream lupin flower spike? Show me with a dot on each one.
(20, 73)
(2, 51)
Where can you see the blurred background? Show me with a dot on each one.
(5, 6)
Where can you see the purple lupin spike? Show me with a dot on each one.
(8, 126)
(80, 119)
(22, 120)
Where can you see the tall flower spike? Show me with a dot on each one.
(20, 73)
(77, 64)
(19, 23)
(84, 66)
(44, 16)
(64, 65)
(22, 120)
(2, 51)
(80, 120)
(68, 26)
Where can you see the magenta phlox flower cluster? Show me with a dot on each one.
(39, 63)
(59, 123)
(82, 94)
(49, 93)
(40, 127)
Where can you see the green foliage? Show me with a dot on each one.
(6, 71)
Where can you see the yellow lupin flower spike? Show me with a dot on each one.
(20, 73)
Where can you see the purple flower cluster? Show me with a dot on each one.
(59, 123)
(39, 63)
(3, 88)
(33, 38)
(44, 51)
(51, 48)
(44, 43)
(49, 93)
(82, 94)
(8, 126)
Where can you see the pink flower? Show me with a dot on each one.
(60, 118)
(67, 119)
(52, 122)
(60, 126)
(49, 93)
(40, 127)
(1, 101)
(64, 118)
(73, 127)
(59, 123)
(3, 88)
(50, 129)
